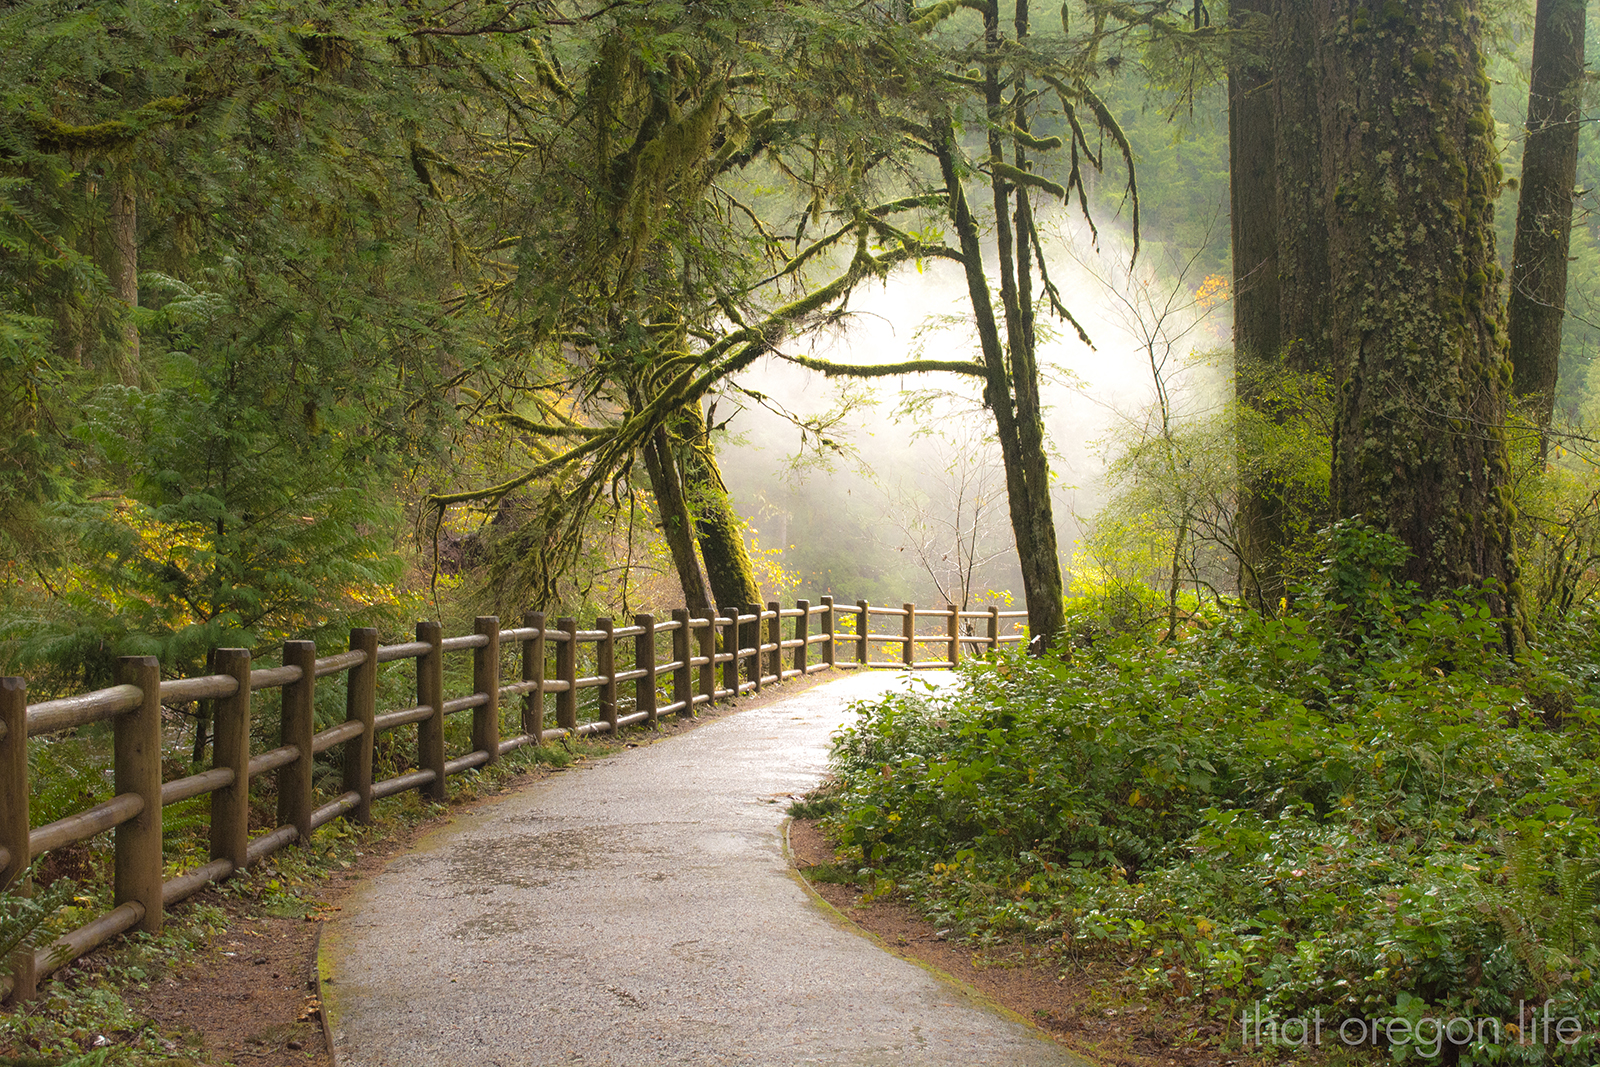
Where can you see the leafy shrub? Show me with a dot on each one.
(1367, 809)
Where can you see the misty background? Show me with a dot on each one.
(906, 499)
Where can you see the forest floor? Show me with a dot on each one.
(249, 995)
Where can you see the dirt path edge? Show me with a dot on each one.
(844, 922)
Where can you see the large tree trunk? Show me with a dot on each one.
(123, 269)
(1410, 175)
(1303, 270)
(1544, 208)
(1253, 194)
(717, 526)
(677, 522)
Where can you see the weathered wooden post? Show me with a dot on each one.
(730, 648)
(829, 654)
(486, 680)
(533, 671)
(908, 630)
(708, 650)
(955, 634)
(136, 768)
(862, 628)
(230, 748)
(644, 659)
(13, 778)
(361, 705)
(14, 814)
(757, 631)
(682, 678)
(430, 694)
(994, 628)
(297, 724)
(802, 633)
(771, 663)
(567, 668)
(606, 657)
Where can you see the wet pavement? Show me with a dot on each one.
(639, 911)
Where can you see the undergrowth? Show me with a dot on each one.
(1363, 812)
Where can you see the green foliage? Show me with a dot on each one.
(1265, 811)
(24, 920)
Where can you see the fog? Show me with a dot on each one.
(911, 494)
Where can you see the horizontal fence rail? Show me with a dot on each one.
(707, 658)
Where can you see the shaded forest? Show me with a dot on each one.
(1250, 348)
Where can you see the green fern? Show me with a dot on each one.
(24, 919)
(1548, 908)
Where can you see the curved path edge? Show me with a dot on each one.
(642, 910)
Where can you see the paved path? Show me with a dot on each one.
(641, 912)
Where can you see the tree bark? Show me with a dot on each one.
(1544, 208)
(677, 522)
(1253, 195)
(1303, 269)
(718, 527)
(1027, 474)
(1410, 179)
(124, 268)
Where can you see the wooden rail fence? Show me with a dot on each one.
(708, 658)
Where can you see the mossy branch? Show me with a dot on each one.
(1109, 124)
(494, 493)
(1028, 140)
(113, 133)
(925, 20)
(526, 425)
(1027, 177)
(885, 370)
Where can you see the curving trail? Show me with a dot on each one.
(641, 912)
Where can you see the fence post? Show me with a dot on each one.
(644, 659)
(828, 654)
(567, 667)
(955, 634)
(730, 648)
(802, 633)
(994, 628)
(775, 659)
(430, 693)
(759, 660)
(486, 680)
(533, 671)
(908, 630)
(297, 724)
(862, 613)
(361, 705)
(14, 815)
(708, 650)
(13, 778)
(136, 768)
(682, 687)
(606, 655)
(230, 747)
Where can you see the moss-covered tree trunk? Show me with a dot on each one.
(718, 527)
(1411, 177)
(677, 522)
(1544, 207)
(123, 268)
